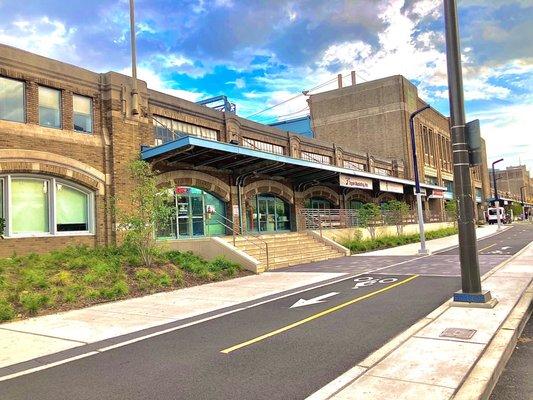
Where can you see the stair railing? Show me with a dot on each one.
(246, 237)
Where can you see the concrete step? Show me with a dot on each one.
(299, 257)
(291, 251)
(283, 264)
(293, 245)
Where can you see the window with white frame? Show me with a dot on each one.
(167, 130)
(319, 158)
(37, 205)
(354, 165)
(82, 113)
(49, 107)
(12, 100)
(262, 146)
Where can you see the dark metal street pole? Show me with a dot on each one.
(134, 89)
(496, 198)
(523, 203)
(422, 249)
(470, 278)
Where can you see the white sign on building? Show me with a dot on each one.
(385, 186)
(355, 182)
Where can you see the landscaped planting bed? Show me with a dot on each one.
(80, 276)
(357, 245)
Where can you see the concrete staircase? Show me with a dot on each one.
(286, 249)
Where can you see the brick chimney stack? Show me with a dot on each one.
(339, 80)
(353, 78)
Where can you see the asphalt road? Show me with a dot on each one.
(269, 350)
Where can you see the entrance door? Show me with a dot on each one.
(272, 214)
(182, 215)
(197, 215)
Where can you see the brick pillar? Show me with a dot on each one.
(32, 103)
(67, 111)
(234, 203)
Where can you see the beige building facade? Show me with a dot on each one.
(374, 117)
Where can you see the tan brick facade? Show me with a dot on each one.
(98, 161)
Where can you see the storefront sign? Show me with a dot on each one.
(355, 182)
(236, 210)
(385, 186)
(423, 191)
(436, 194)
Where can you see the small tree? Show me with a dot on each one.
(148, 207)
(517, 209)
(396, 213)
(451, 211)
(370, 217)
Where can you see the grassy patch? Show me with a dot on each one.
(80, 276)
(358, 245)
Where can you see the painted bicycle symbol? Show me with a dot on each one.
(364, 281)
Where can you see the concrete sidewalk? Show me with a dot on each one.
(434, 245)
(35, 337)
(420, 363)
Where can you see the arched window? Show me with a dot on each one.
(318, 203)
(38, 205)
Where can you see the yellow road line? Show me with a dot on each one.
(488, 247)
(315, 316)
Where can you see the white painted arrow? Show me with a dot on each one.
(506, 247)
(314, 300)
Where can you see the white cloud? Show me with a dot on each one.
(507, 132)
(154, 81)
(44, 36)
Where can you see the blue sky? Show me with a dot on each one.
(262, 52)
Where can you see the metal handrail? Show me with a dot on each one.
(247, 238)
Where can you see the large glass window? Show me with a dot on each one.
(29, 206)
(83, 113)
(318, 203)
(167, 129)
(41, 205)
(263, 146)
(49, 107)
(11, 100)
(267, 213)
(72, 209)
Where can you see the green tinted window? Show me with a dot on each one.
(29, 206)
(71, 209)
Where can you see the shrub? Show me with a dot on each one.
(33, 302)
(7, 311)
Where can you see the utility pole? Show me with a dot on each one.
(470, 279)
(134, 89)
(523, 203)
(420, 213)
(496, 198)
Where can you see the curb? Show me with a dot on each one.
(483, 377)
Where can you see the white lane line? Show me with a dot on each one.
(46, 366)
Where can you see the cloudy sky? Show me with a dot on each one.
(263, 52)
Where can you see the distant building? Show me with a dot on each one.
(373, 117)
(510, 180)
(301, 126)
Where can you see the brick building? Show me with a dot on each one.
(510, 181)
(68, 136)
(374, 117)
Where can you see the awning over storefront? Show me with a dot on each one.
(198, 152)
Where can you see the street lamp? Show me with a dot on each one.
(522, 200)
(422, 249)
(496, 198)
(470, 278)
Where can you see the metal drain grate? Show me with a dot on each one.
(458, 333)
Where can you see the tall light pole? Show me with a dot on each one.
(134, 89)
(422, 249)
(496, 198)
(470, 279)
(522, 201)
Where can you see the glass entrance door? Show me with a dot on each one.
(272, 214)
(182, 215)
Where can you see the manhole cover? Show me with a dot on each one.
(458, 333)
